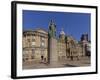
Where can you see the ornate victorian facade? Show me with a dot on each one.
(35, 45)
(68, 47)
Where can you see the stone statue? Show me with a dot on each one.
(52, 30)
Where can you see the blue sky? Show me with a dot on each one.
(74, 24)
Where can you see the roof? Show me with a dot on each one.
(41, 30)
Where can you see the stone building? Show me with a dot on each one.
(86, 45)
(36, 45)
(68, 47)
(61, 46)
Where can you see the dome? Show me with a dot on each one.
(62, 32)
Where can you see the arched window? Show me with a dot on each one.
(33, 41)
(42, 40)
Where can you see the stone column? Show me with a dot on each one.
(53, 57)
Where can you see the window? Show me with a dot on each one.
(33, 51)
(42, 52)
(42, 38)
(42, 41)
(33, 41)
(28, 40)
(32, 57)
(42, 44)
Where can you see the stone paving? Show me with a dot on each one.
(83, 61)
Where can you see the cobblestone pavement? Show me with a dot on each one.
(83, 61)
